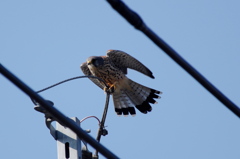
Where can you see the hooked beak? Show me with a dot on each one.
(89, 62)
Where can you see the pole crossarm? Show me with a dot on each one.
(134, 19)
(57, 114)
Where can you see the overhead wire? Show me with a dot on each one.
(69, 79)
(73, 78)
(134, 19)
(57, 114)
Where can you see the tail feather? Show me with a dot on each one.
(144, 95)
(123, 105)
(134, 95)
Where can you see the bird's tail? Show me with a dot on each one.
(134, 95)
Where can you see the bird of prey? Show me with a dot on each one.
(126, 94)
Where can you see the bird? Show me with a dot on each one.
(126, 93)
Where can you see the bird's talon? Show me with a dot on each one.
(109, 89)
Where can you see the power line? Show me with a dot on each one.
(44, 89)
(134, 19)
(57, 114)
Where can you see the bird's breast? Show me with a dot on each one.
(108, 73)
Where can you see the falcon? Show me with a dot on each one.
(126, 94)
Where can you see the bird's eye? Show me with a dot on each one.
(95, 62)
(98, 62)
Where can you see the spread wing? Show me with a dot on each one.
(87, 72)
(123, 61)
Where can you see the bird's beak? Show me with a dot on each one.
(89, 62)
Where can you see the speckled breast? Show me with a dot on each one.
(109, 73)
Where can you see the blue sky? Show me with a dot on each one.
(44, 42)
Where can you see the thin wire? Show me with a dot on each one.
(101, 127)
(84, 120)
(99, 122)
(49, 87)
(70, 80)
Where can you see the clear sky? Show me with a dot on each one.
(44, 42)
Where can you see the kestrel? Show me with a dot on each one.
(126, 94)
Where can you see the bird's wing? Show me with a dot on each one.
(123, 61)
(87, 72)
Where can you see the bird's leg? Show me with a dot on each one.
(110, 89)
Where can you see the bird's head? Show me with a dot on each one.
(95, 61)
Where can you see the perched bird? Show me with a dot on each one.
(126, 94)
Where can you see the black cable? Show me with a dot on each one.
(134, 19)
(73, 78)
(57, 114)
(70, 80)
(101, 127)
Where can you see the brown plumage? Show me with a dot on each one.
(126, 94)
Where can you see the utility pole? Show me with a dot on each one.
(68, 143)
(52, 114)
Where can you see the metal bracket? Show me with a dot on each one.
(48, 118)
(68, 143)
